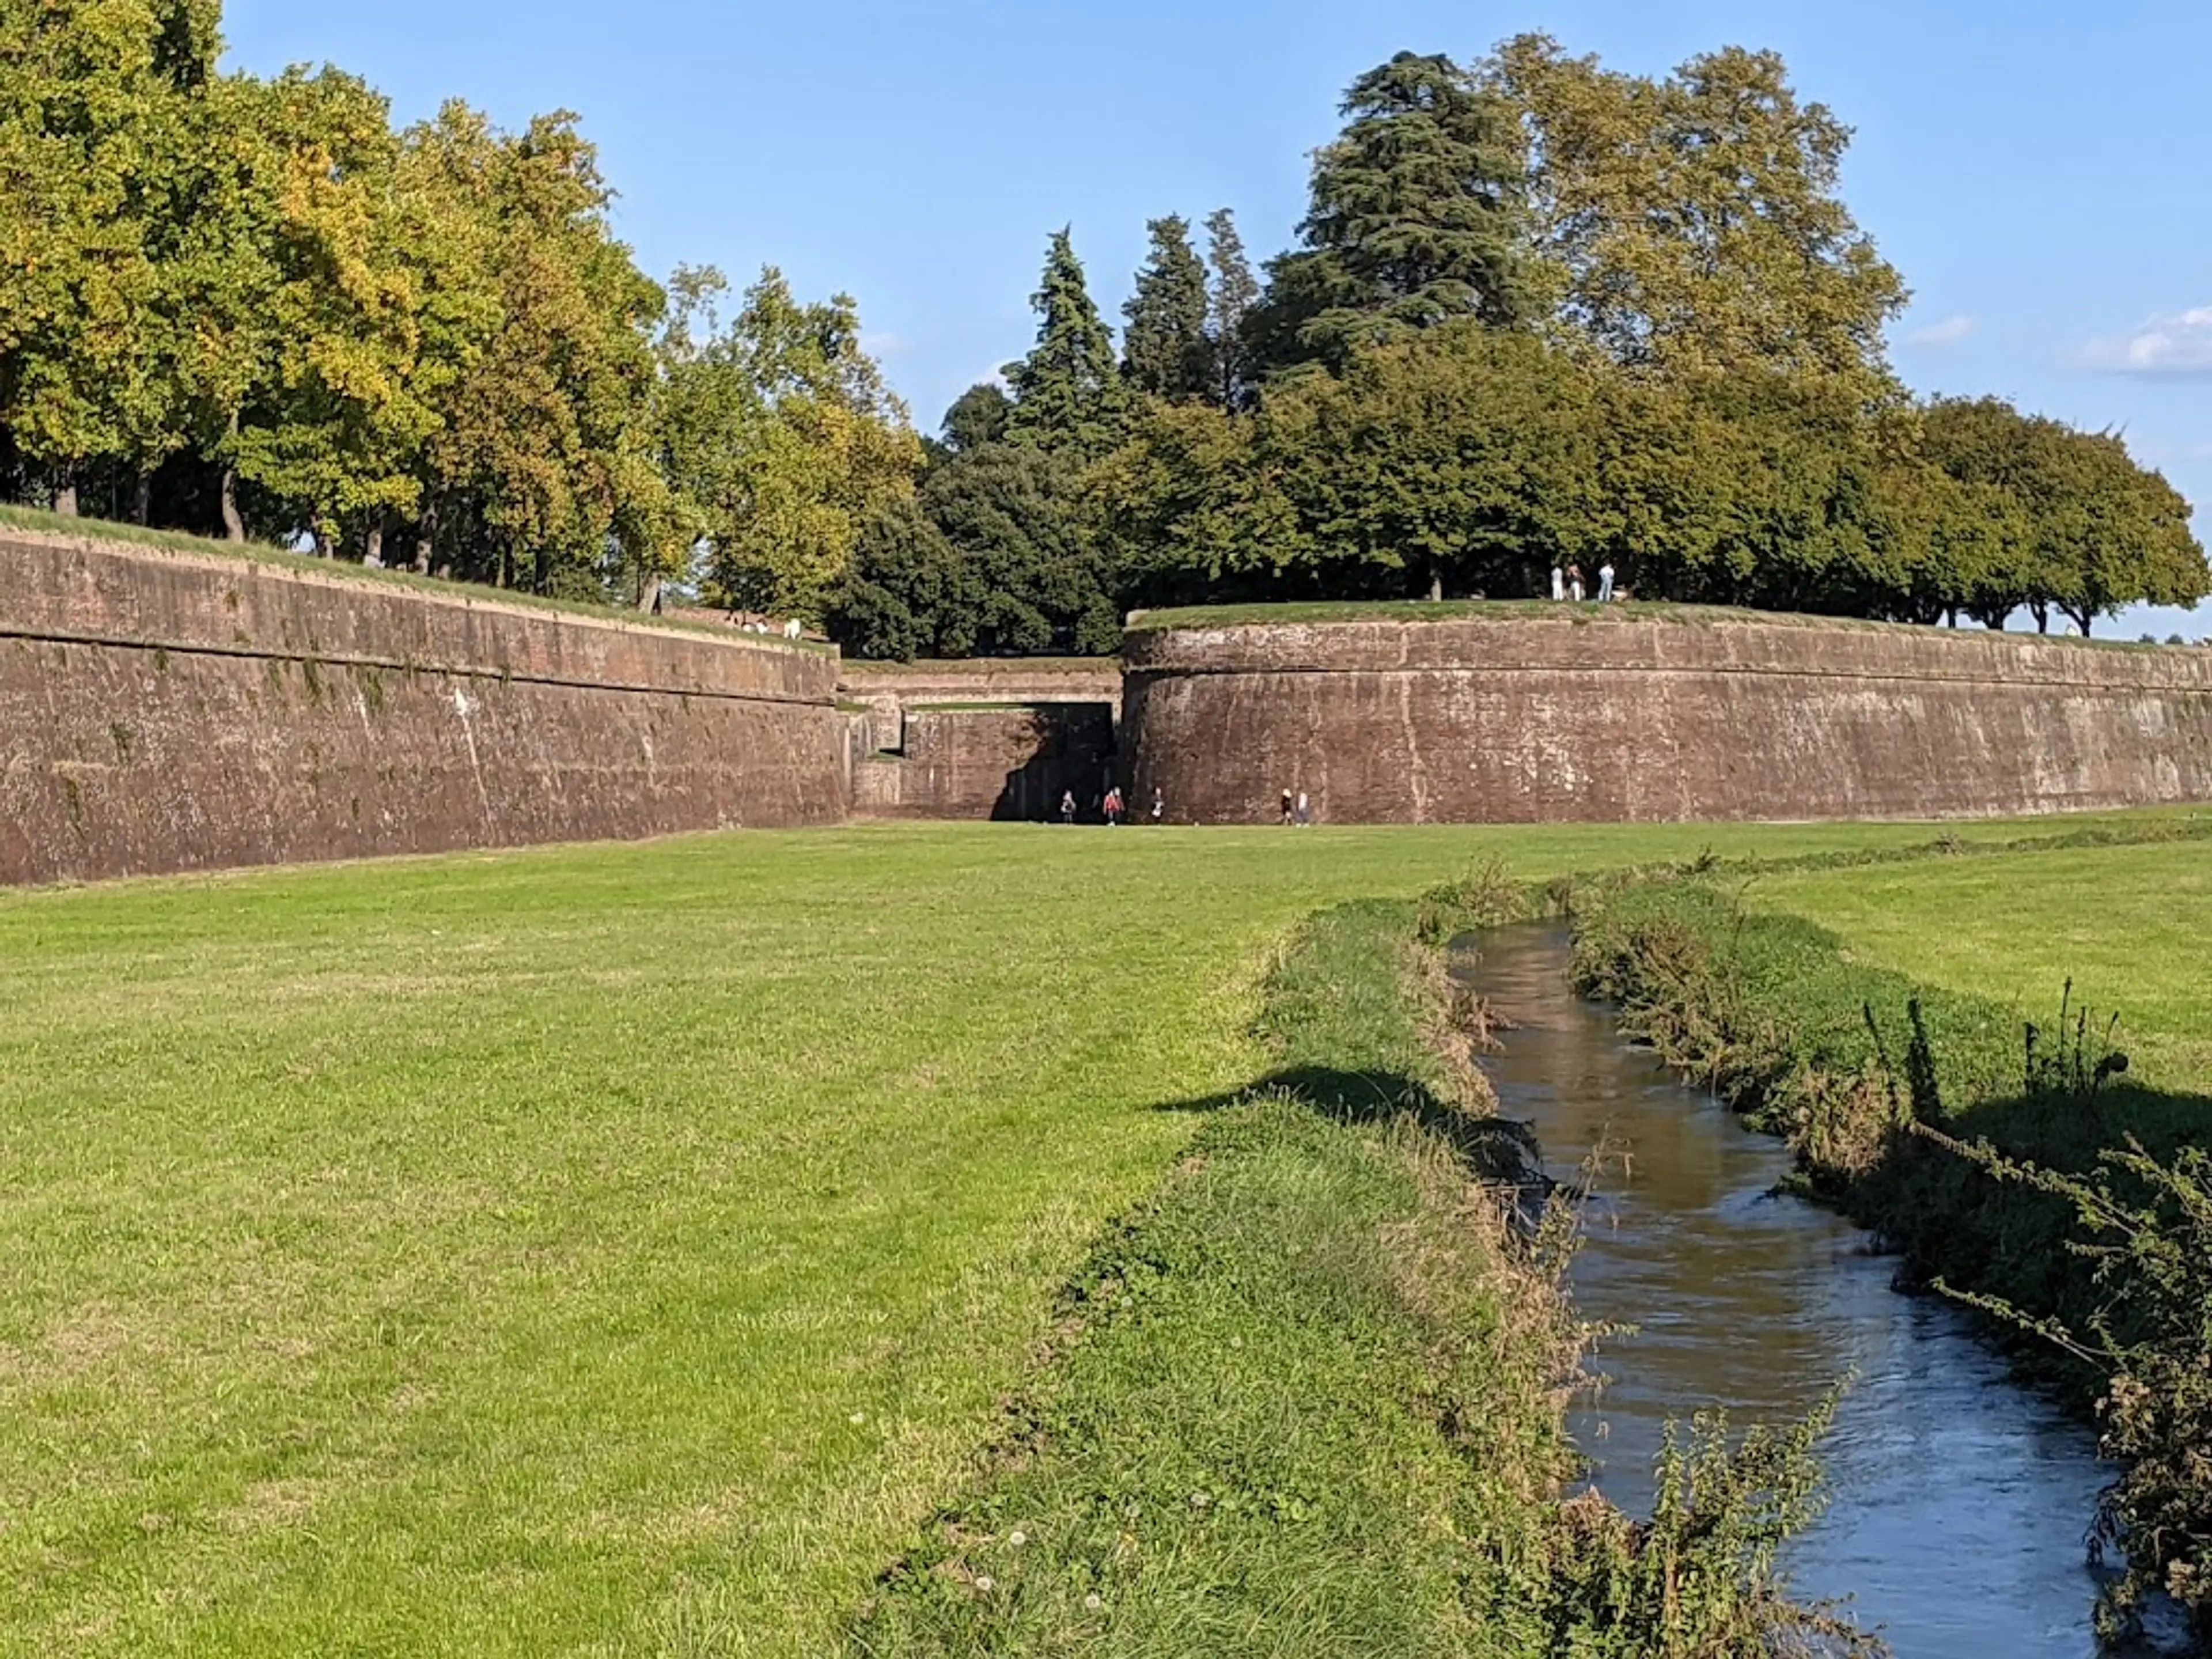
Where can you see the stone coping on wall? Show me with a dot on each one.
(161, 600)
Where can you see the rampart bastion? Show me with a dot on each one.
(164, 710)
(1638, 714)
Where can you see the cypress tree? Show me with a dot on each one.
(1167, 353)
(1068, 394)
(1236, 292)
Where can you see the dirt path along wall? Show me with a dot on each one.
(163, 711)
(1626, 717)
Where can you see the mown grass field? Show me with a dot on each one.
(2131, 926)
(596, 1251)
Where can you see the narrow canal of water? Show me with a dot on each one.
(1959, 1502)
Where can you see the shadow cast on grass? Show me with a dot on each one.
(1494, 1149)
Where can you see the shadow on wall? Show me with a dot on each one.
(1070, 747)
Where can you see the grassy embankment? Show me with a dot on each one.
(1856, 1010)
(599, 1251)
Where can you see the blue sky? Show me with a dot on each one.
(2039, 172)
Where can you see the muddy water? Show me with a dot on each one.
(1960, 1503)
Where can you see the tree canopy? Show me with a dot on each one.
(1540, 310)
(255, 307)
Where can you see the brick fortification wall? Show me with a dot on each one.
(1632, 717)
(163, 711)
(986, 740)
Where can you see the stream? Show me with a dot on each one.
(1959, 1502)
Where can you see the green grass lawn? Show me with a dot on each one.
(2131, 926)
(608, 1250)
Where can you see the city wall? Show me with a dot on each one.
(1630, 717)
(165, 711)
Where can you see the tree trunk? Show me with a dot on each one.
(234, 523)
(426, 537)
(65, 495)
(2041, 612)
(649, 594)
(142, 499)
(372, 553)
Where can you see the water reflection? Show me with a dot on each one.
(1959, 1502)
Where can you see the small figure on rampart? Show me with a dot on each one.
(1304, 812)
(1159, 804)
(1575, 583)
(1068, 807)
(1605, 583)
(1289, 817)
(1559, 583)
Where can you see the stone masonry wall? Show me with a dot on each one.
(164, 711)
(1628, 717)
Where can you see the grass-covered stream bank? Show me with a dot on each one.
(1308, 1399)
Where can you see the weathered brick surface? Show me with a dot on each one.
(162, 712)
(1633, 719)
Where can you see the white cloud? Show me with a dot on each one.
(1949, 332)
(2171, 343)
(885, 344)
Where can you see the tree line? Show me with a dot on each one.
(1539, 312)
(256, 307)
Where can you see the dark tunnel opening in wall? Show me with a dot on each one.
(1072, 746)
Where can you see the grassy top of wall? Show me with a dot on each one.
(1315, 612)
(54, 526)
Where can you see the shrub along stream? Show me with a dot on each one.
(1310, 1398)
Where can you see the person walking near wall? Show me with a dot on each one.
(1068, 807)
(1287, 818)
(1575, 583)
(1605, 583)
(1114, 807)
(1559, 583)
(1159, 805)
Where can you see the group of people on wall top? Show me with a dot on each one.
(1567, 584)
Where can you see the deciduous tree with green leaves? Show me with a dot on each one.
(1694, 225)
